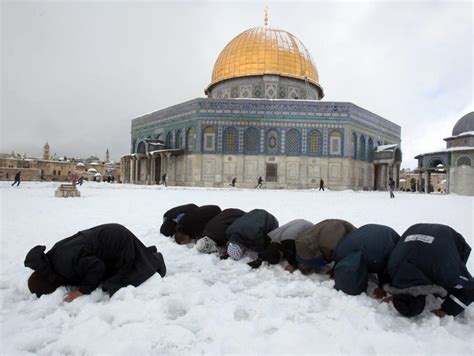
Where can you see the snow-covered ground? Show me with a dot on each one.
(205, 305)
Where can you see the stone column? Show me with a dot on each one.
(447, 180)
(384, 179)
(132, 170)
(394, 175)
(170, 176)
(148, 169)
(427, 182)
(137, 169)
(152, 169)
(162, 165)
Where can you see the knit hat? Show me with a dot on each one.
(43, 280)
(351, 275)
(40, 284)
(206, 245)
(409, 305)
(168, 228)
(235, 251)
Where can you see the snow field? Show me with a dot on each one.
(205, 305)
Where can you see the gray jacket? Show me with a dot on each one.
(291, 230)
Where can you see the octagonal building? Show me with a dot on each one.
(263, 117)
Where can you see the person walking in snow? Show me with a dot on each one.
(259, 183)
(17, 179)
(430, 259)
(163, 179)
(107, 254)
(321, 185)
(234, 180)
(391, 185)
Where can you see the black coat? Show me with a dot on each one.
(251, 230)
(432, 254)
(168, 228)
(375, 242)
(194, 221)
(109, 254)
(216, 227)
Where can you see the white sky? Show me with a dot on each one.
(76, 73)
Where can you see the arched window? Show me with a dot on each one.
(362, 148)
(190, 140)
(293, 143)
(209, 139)
(179, 139)
(169, 140)
(251, 140)
(141, 147)
(271, 143)
(464, 160)
(314, 143)
(230, 140)
(54, 172)
(354, 145)
(370, 151)
(335, 143)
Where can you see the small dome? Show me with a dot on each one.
(464, 124)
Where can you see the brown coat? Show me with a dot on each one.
(322, 239)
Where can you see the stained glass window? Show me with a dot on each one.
(370, 156)
(251, 141)
(169, 140)
(191, 140)
(209, 138)
(354, 145)
(362, 148)
(314, 143)
(293, 142)
(230, 140)
(335, 139)
(179, 139)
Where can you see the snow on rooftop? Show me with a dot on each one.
(451, 149)
(467, 133)
(385, 147)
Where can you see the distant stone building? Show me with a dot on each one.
(36, 169)
(409, 181)
(456, 161)
(263, 118)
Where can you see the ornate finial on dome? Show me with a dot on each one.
(265, 19)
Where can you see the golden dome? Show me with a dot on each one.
(263, 50)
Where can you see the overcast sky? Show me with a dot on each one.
(76, 73)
